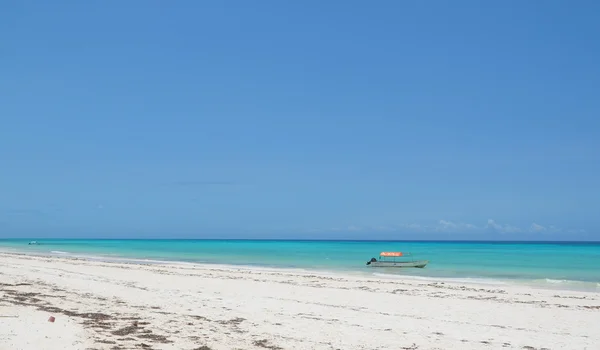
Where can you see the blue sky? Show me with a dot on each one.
(339, 119)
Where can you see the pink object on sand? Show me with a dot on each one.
(51, 319)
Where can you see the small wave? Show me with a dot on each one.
(561, 284)
(549, 280)
(546, 283)
(58, 252)
(566, 282)
(470, 280)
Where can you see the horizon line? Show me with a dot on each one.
(297, 240)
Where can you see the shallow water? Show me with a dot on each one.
(551, 265)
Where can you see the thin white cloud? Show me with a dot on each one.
(506, 228)
(383, 228)
(446, 225)
(412, 227)
(493, 225)
(554, 229)
(537, 228)
(512, 229)
(347, 228)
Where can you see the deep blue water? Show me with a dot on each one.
(559, 264)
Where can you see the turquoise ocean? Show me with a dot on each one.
(560, 265)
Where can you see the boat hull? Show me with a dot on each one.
(417, 264)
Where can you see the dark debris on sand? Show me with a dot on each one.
(264, 343)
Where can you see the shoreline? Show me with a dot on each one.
(544, 284)
(181, 306)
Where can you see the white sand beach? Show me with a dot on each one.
(102, 305)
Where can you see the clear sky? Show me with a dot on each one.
(300, 119)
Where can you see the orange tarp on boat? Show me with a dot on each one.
(390, 254)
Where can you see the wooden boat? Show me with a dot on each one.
(383, 262)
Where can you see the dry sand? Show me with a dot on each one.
(101, 305)
(28, 328)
